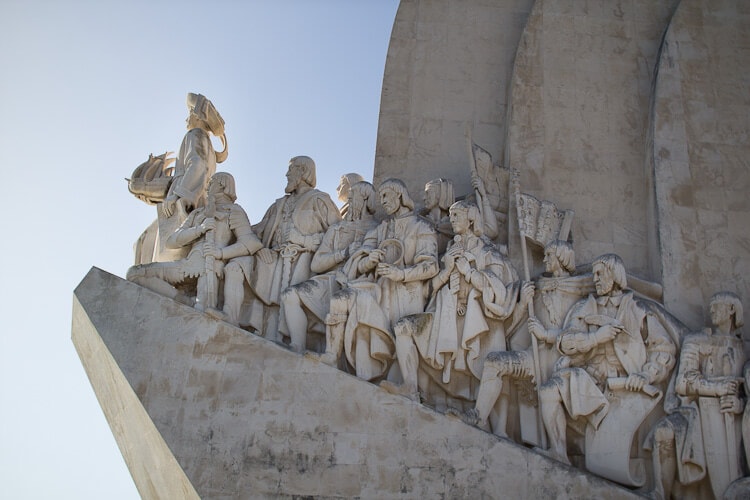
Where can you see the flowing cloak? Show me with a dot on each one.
(196, 163)
(454, 346)
(645, 346)
(379, 302)
(701, 352)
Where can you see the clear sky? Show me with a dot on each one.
(89, 89)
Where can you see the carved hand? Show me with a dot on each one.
(210, 250)
(636, 381)
(527, 292)
(606, 333)
(477, 182)
(463, 266)
(730, 404)
(537, 329)
(391, 272)
(373, 258)
(207, 225)
(727, 387)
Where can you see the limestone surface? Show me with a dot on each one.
(245, 418)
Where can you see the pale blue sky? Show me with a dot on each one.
(89, 89)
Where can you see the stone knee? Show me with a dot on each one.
(290, 297)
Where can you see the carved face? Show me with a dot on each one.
(459, 220)
(390, 200)
(193, 121)
(431, 196)
(603, 279)
(551, 263)
(214, 187)
(293, 177)
(342, 191)
(721, 312)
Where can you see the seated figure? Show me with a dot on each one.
(309, 301)
(291, 232)
(556, 292)
(388, 278)
(696, 447)
(214, 233)
(612, 347)
(476, 299)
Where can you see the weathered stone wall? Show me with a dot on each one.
(448, 65)
(646, 141)
(245, 418)
(578, 126)
(701, 153)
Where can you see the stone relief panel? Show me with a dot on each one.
(589, 364)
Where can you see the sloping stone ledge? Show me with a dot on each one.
(200, 408)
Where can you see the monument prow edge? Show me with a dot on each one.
(200, 408)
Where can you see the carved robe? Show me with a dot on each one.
(376, 303)
(467, 319)
(315, 293)
(196, 163)
(585, 367)
(310, 213)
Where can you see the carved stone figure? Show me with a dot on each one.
(476, 300)
(196, 160)
(214, 233)
(556, 292)
(388, 278)
(614, 352)
(309, 301)
(185, 188)
(342, 191)
(696, 448)
(291, 231)
(438, 198)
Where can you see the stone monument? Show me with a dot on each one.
(534, 328)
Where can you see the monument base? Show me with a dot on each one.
(200, 408)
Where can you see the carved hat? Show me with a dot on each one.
(205, 110)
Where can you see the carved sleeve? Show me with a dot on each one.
(327, 256)
(247, 242)
(186, 233)
(425, 259)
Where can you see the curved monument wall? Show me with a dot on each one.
(448, 64)
(578, 125)
(700, 150)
